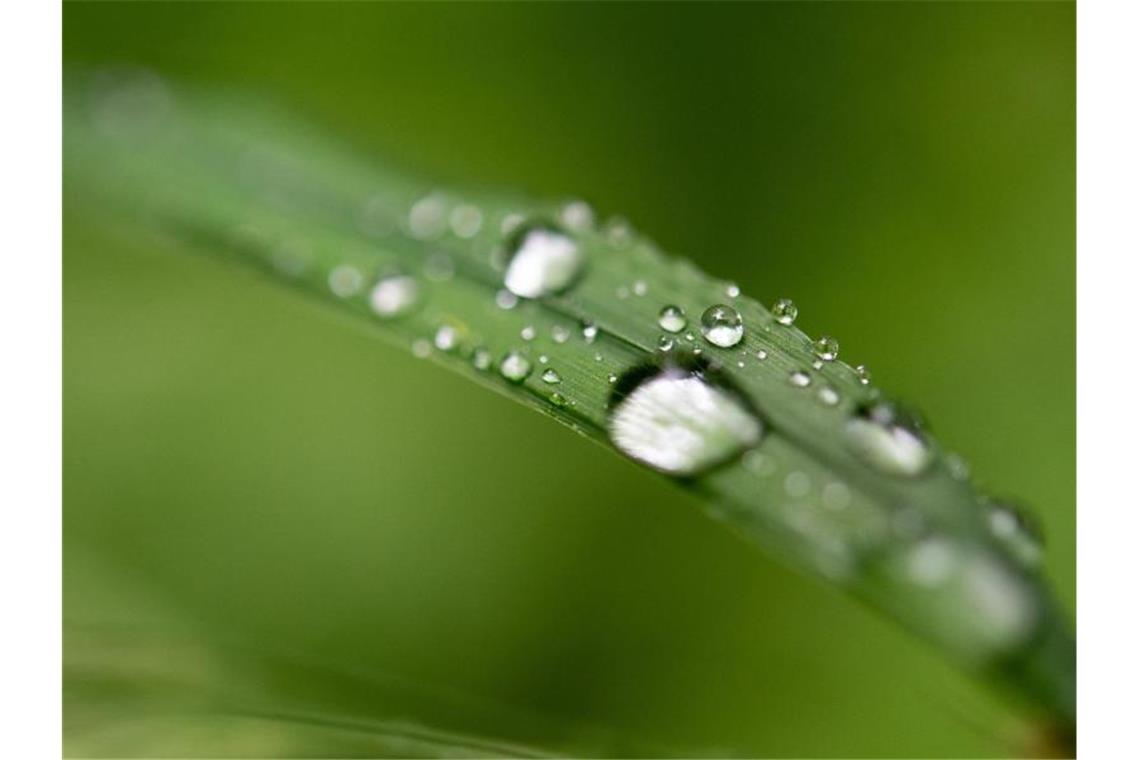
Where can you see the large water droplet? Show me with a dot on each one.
(785, 311)
(672, 319)
(544, 261)
(679, 422)
(394, 296)
(889, 439)
(514, 367)
(722, 326)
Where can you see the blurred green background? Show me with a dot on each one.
(283, 536)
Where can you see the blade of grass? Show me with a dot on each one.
(248, 183)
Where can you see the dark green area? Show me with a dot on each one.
(325, 526)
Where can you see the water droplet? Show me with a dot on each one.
(514, 367)
(558, 399)
(506, 300)
(394, 296)
(740, 364)
(785, 311)
(466, 220)
(559, 334)
(345, 281)
(544, 261)
(959, 468)
(446, 338)
(622, 292)
(640, 287)
(589, 332)
(828, 395)
(931, 562)
(836, 495)
(551, 377)
(672, 319)
(826, 348)
(426, 218)
(597, 357)
(612, 377)
(732, 290)
(797, 484)
(510, 223)
(439, 267)
(760, 463)
(682, 424)
(618, 232)
(817, 364)
(799, 378)
(761, 354)
(543, 359)
(528, 333)
(665, 343)
(722, 326)
(1016, 531)
(887, 438)
(421, 348)
(577, 216)
(863, 374)
(481, 359)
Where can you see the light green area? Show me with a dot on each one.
(294, 492)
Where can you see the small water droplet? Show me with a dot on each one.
(797, 484)
(1016, 531)
(421, 348)
(732, 290)
(828, 396)
(622, 292)
(761, 354)
(799, 378)
(426, 218)
(681, 423)
(577, 216)
(597, 357)
(826, 348)
(439, 267)
(612, 377)
(863, 374)
(959, 468)
(785, 311)
(722, 326)
(740, 364)
(559, 334)
(589, 332)
(528, 333)
(506, 300)
(558, 399)
(394, 296)
(760, 463)
(665, 343)
(618, 232)
(510, 223)
(817, 364)
(550, 377)
(543, 359)
(466, 220)
(836, 495)
(544, 261)
(514, 367)
(672, 319)
(446, 338)
(640, 287)
(889, 439)
(481, 359)
(345, 281)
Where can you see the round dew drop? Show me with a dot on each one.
(394, 296)
(681, 424)
(550, 377)
(826, 348)
(672, 319)
(722, 326)
(515, 367)
(785, 311)
(543, 262)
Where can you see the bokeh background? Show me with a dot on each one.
(284, 536)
